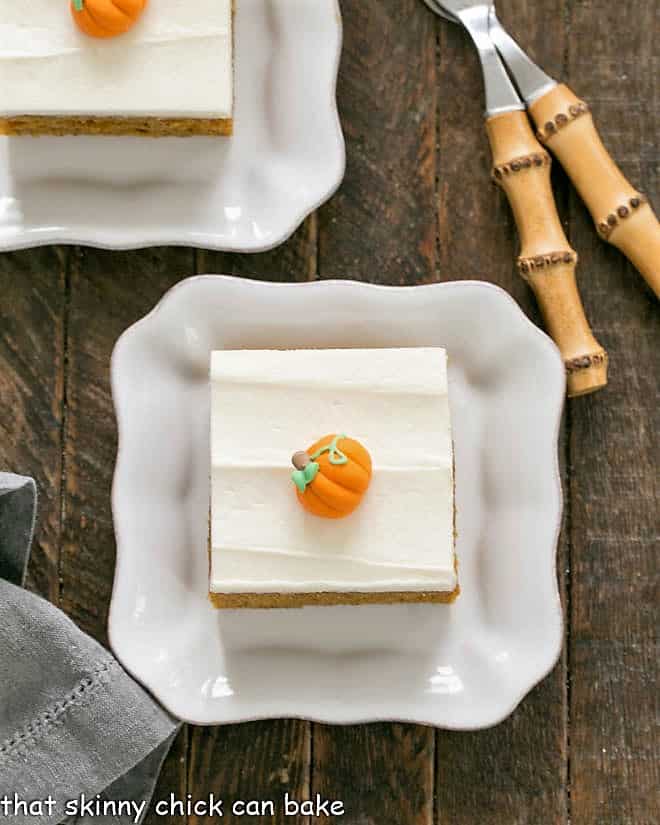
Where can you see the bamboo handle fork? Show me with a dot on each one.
(521, 166)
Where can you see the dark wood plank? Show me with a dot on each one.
(108, 292)
(295, 260)
(477, 236)
(258, 761)
(380, 226)
(383, 773)
(515, 772)
(32, 308)
(615, 452)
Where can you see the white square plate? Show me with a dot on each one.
(245, 193)
(466, 665)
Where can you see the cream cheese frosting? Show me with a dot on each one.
(175, 62)
(265, 405)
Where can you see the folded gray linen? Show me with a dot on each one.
(74, 727)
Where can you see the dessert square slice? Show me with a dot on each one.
(329, 538)
(116, 67)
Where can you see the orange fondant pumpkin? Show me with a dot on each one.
(106, 18)
(332, 476)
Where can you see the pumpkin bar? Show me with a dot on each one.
(116, 67)
(366, 513)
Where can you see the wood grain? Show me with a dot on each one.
(615, 452)
(295, 260)
(380, 226)
(476, 232)
(32, 308)
(258, 761)
(382, 772)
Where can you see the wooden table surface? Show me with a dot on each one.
(416, 206)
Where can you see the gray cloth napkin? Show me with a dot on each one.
(73, 724)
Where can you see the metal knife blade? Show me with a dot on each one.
(531, 81)
(501, 95)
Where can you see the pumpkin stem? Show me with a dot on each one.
(78, 4)
(300, 460)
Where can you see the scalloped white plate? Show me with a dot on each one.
(246, 193)
(461, 666)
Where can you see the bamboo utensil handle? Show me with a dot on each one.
(622, 215)
(522, 168)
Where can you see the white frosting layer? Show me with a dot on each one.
(265, 405)
(175, 62)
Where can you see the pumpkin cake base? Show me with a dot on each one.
(35, 126)
(273, 600)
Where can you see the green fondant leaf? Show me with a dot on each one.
(301, 478)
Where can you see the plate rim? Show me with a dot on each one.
(557, 403)
(34, 237)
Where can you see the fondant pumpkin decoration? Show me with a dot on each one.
(332, 476)
(106, 18)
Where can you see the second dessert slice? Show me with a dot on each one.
(116, 67)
